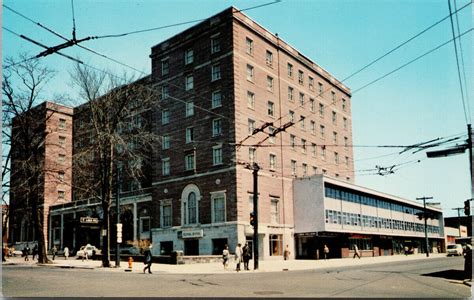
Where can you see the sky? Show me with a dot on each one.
(418, 103)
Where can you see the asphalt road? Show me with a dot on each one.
(420, 278)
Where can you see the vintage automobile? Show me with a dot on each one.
(91, 251)
(454, 249)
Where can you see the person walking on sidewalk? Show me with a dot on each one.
(54, 251)
(356, 252)
(26, 252)
(35, 251)
(238, 257)
(246, 256)
(148, 260)
(286, 253)
(326, 252)
(225, 256)
(66, 252)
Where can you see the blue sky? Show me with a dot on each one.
(418, 103)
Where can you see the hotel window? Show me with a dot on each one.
(292, 141)
(323, 154)
(62, 124)
(311, 104)
(333, 97)
(218, 207)
(189, 82)
(61, 158)
(301, 99)
(344, 122)
(190, 209)
(321, 110)
(216, 99)
(293, 167)
(251, 126)
(276, 245)
(61, 195)
(290, 93)
(325, 172)
(189, 162)
(215, 44)
(189, 135)
(250, 99)
(346, 142)
(252, 152)
(313, 150)
(217, 155)
(165, 142)
(315, 170)
(320, 88)
(313, 127)
(61, 176)
(189, 108)
(347, 162)
(188, 56)
(270, 108)
(270, 83)
(272, 161)
(216, 72)
(302, 123)
(336, 158)
(334, 137)
(300, 77)
(165, 67)
(311, 83)
(274, 211)
(144, 225)
(292, 116)
(249, 44)
(216, 127)
(165, 166)
(343, 104)
(269, 58)
(303, 145)
(321, 131)
(249, 73)
(165, 92)
(271, 131)
(165, 116)
(62, 141)
(305, 169)
(334, 118)
(290, 70)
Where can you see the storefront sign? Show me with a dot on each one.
(189, 234)
(89, 220)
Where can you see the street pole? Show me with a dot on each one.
(459, 219)
(424, 217)
(117, 207)
(471, 165)
(256, 168)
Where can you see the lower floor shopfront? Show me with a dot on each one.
(342, 245)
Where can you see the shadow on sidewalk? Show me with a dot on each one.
(448, 274)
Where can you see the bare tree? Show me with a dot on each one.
(115, 125)
(22, 88)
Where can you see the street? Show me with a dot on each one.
(438, 277)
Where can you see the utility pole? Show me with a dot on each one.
(256, 168)
(424, 217)
(119, 226)
(471, 166)
(459, 219)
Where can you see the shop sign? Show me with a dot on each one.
(189, 234)
(89, 220)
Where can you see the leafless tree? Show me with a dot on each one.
(113, 133)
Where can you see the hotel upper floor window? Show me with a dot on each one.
(252, 152)
(304, 166)
(274, 211)
(313, 127)
(189, 162)
(62, 124)
(269, 58)
(334, 117)
(270, 108)
(165, 166)
(292, 141)
(301, 99)
(334, 137)
(320, 88)
(336, 158)
(167, 216)
(300, 77)
(251, 125)
(321, 130)
(215, 44)
(216, 99)
(292, 116)
(270, 83)
(250, 99)
(271, 131)
(272, 161)
(216, 72)
(290, 70)
(61, 195)
(189, 82)
(189, 134)
(62, 141)
(344, 104)
(165, 67)
(323, 155)
(290, 93)
(189, 108)
(302, 122)
(313, 150)
(218, 207)
(311, 83)
(333, 97)
(165, 92)
(346, 142)
(61, 158)
(293, 167)
(250, 73)
(303, 145)
(321, 110)
(217, 155)
(311, 104)
(315, 170)
(249, 46)
(165, 116)
(188, 56)
(61, 175)
(216, 127)
(347, 161)
(165, 142)
(344, 122)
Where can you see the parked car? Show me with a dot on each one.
(126, 250)
(91, 251)
(454, 249)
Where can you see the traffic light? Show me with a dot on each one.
(467, 208)
(252, 219)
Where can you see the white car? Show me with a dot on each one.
(454, 249)
(91, 251)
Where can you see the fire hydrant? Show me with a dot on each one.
(130, 262)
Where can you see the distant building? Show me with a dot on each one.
(341, 215)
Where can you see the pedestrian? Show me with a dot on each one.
(246, 256)
(148, 260)
(326, 252)
(54, 250)
(225, 256)
(86, 256)
(356, 252)
(286, 253)
(405, 250)
(66, 252)
(35, 251)
(26, 252)
(238, 257)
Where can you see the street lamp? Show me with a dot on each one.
(425, 217)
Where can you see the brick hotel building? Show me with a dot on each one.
(219, 82)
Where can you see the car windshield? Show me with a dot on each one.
(451, 246)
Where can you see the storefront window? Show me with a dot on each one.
(276, 245)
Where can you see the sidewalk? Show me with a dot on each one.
(217, 268)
